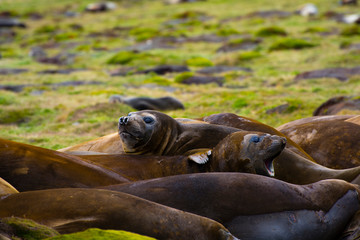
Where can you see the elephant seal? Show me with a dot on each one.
(331, 140)
(110, 143)
(256, 207)
(29, 167)
(71, 210)
(293, 168)
(243, 151)
(146, 103)
(155, 133)
(6, 188)
(248, 124)
(35, 168)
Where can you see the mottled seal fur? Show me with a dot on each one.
(155, 133)
(256, 207)
(332, 141)
(71, 210)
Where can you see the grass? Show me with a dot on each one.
(59, 117)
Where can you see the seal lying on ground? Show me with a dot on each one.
(110, 143)
(72, 210)
(243, 151)
(333, 141)
(256, 207)
(32, 168)
(146, 103)
(29, 167)
(248, 124)
(154, 133)
(293, 168)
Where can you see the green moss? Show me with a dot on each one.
(98, 234)
(28, 229)
(291, 43)
(199, 62)
(188, 14)
(316, 30)
(15, 115)
(158, 80)
(7, 100)
(248, 55)
(46, 29)
(65, 36)
(271, 31)
(351, 31)
(227, 31)
(142, 34)
(123, 57)
(240, 103)
(183, 76)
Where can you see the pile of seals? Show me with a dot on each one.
(218, 177)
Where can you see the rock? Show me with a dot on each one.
(308, 10)
(279, 109)
(14, 88)
(8, 71)
(100, 7)
(203, 80)
(348, 2)
(221, 69)
(60, 71)
(269, 14)
(164, 69)
(11, 22)
(342, 74)
(160, 42)
(242, 44)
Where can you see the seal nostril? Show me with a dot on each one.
(126, 119)
(121, 121)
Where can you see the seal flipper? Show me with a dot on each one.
(201, 156)
(299, 224)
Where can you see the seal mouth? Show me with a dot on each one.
(269, 165)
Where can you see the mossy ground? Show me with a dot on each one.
(58, 117)
(98, 234)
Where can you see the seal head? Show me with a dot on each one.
(145, 132)
(253, 151)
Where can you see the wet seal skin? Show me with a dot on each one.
(71, 210)
(256, 207)
(28, 167)
(333, 141)
(155, 133)
(33, 168)
(243, 151)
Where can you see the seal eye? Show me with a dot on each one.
(148, 119)
(255, 139)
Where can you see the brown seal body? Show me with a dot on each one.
(110, 143)
(293, 168)
(72, 210)
(6, 188)
(333, 141)
(316, 211)
(29, 167)
(248, 124)
(243, 151)
(155, 133)
(32, 168)
(146, 103)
